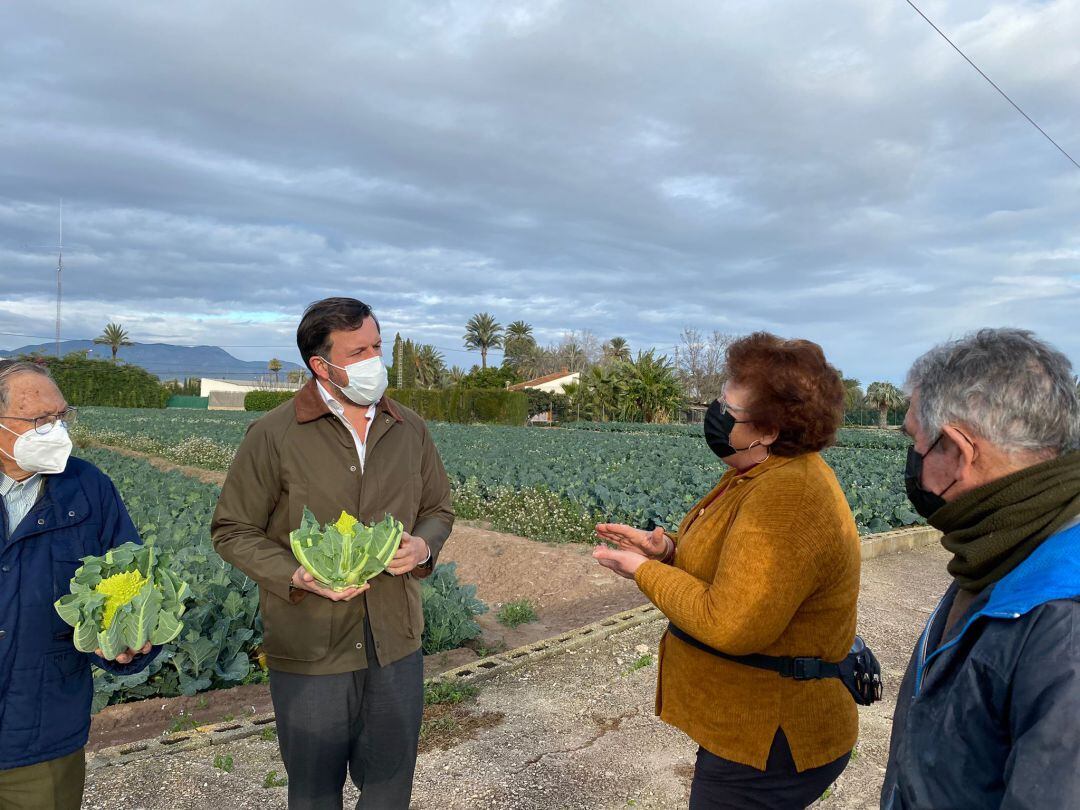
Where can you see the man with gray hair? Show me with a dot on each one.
(988, 714)
(54, 510)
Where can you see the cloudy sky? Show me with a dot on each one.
(829, 170)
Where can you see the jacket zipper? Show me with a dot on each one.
(925, 661)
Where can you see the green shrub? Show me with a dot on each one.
(266, 400)
(494, 406)
(101, 382)
(520, 611)
(543, 401)
(450, 609)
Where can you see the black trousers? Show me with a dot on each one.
(720, 784)
(364, 723)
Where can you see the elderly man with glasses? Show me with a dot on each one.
(55, 510)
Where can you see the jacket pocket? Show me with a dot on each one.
(299, 632)
(67, 553)
(22, 707)
(67, 690)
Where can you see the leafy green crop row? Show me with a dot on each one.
(635, 478)
(651, 472)
(221, 625)
(870, 438)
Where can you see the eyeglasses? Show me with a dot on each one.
(44, 424)
(726, 406)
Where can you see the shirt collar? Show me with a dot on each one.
(337, 408)
(7, 483)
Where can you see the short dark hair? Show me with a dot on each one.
(793, 390)
(326, 316)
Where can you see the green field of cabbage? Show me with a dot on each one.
(549, 484)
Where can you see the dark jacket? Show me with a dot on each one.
(45, 683)
(989, 715)
(301, 455)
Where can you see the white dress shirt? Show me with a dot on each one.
(338, 410)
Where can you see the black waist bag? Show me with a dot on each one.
(859, 672)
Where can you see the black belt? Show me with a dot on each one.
(798, 668)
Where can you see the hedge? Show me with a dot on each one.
(462, 405)
(102, 382)
(266, 400)
(183, 401)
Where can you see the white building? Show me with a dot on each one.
(228, 395)
(552, 384)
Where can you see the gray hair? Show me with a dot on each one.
(1010, 388)
(10, 368)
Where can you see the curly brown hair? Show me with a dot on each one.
(794, 390)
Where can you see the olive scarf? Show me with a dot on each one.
(992, 529)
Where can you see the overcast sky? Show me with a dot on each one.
(824, 170)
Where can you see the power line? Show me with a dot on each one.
(1004, 95)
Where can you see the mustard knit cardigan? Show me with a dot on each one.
(768, 562)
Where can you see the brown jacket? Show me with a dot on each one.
(300, 455)
(768, 562)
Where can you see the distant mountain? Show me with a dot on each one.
(167, 361)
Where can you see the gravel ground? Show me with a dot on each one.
(577, 729)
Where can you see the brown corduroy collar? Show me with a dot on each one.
(310, 405)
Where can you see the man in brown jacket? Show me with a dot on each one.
(346, 670)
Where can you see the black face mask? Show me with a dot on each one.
(926, 503)
(719, 422)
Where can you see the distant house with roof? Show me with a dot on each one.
(552, 384)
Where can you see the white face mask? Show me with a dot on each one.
(367, 380)
(42, 452)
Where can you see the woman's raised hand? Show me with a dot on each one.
(652, 544)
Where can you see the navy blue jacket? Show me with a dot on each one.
(988, 716)
(45, 683)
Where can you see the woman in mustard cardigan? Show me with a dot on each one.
(767, 563)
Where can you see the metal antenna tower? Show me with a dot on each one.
(59, 278)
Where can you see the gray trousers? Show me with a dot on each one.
(364, 723)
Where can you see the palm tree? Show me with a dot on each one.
(617, 349)
(114, 337)
(603, 388)
(518, 346)
(652, 391)
(885, 397)
(519, 330)
(853, 393)
(456, 375)
(275, 368)
(429, 365)
(483, 332)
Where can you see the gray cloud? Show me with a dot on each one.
(832, 172)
